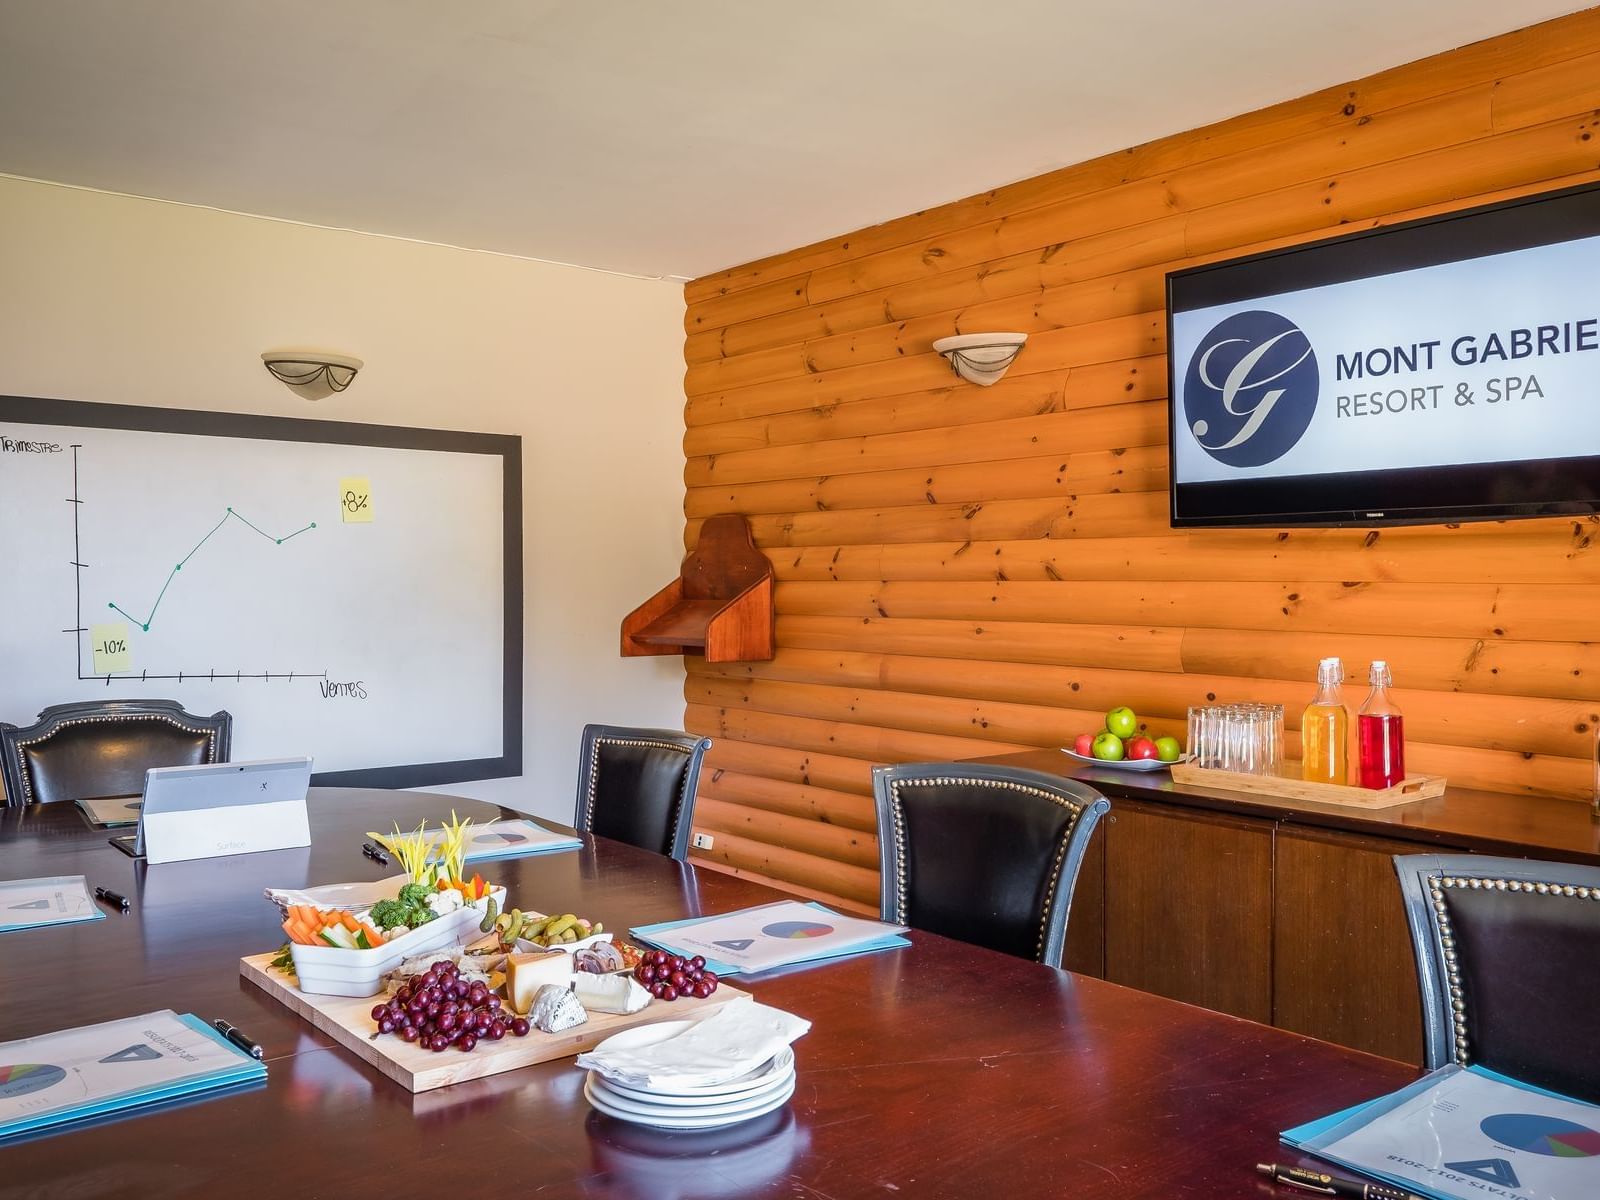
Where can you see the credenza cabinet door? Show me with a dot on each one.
(1343, 969)
(1188, 907)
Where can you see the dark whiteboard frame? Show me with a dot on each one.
(508, 447)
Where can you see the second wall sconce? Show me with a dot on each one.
(981, 358)
(312, 374)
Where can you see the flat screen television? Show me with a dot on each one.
(1441, 370)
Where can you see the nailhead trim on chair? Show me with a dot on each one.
(944, 781)
(594, 777)
(121, 718)
(1447, 940)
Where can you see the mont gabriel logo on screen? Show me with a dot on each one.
(1251, 389)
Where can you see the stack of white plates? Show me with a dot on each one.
(761, 1091)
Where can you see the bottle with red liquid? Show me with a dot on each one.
(1380, 735)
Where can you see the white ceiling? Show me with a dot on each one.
(657, 137)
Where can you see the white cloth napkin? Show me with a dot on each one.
(733, 1041)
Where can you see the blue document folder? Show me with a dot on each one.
(117, 1066)
(497, 840)
(661, 936)
(1462, 1133)
(48, 900)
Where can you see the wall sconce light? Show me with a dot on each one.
(981, 358)
(312, 374)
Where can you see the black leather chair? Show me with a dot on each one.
(104, 747)
(1508, 958)
(984, 854)
(638, 786)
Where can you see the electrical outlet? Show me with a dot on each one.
(702, 841)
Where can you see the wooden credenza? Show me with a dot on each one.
(1288, 914)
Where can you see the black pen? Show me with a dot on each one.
(237, 1037)
(375, 853)
(1331, 1185)
(110, 897)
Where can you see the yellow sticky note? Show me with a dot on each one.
(355, 498)
(110, 645)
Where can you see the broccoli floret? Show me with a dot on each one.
(409, 909)
(414, 893)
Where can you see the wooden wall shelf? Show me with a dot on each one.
(719, 606)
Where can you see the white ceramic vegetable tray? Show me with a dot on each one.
(330, 971)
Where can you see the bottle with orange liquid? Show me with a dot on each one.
(1325, 728)
(1380, 735)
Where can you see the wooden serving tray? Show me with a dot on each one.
(1284, 787)
(348, 1020)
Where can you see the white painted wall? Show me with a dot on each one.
(121, 300)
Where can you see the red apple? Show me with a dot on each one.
(1084, 745)
(1142, 747)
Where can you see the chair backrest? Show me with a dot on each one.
(1508, 959)
(984, 854)
(638, 786)
(104, 747)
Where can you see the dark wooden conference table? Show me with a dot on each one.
(939, 1070)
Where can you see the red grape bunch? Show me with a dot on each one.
(438, 1009)
(668, 976)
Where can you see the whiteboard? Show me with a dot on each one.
(352, 592)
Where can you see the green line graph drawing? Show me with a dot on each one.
(230, 515)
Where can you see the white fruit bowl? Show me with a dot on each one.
(1123, 764)
(330, 971)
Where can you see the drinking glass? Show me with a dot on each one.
(1197, 734)
(1228, 738)
(1241, 724)
(1274, 756)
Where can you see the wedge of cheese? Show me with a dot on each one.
(527, 973)
(617, 993)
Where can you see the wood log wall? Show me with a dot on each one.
(966, 571)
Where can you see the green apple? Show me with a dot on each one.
(1168, 749)
(1108, 746)
(1122, 722)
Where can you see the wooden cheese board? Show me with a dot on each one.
(1291, 787)
(348, 1020)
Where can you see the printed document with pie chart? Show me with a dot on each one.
(506, 839)
(775, 935)
(118, 1064)
(52, 900)
(1467, 1133)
